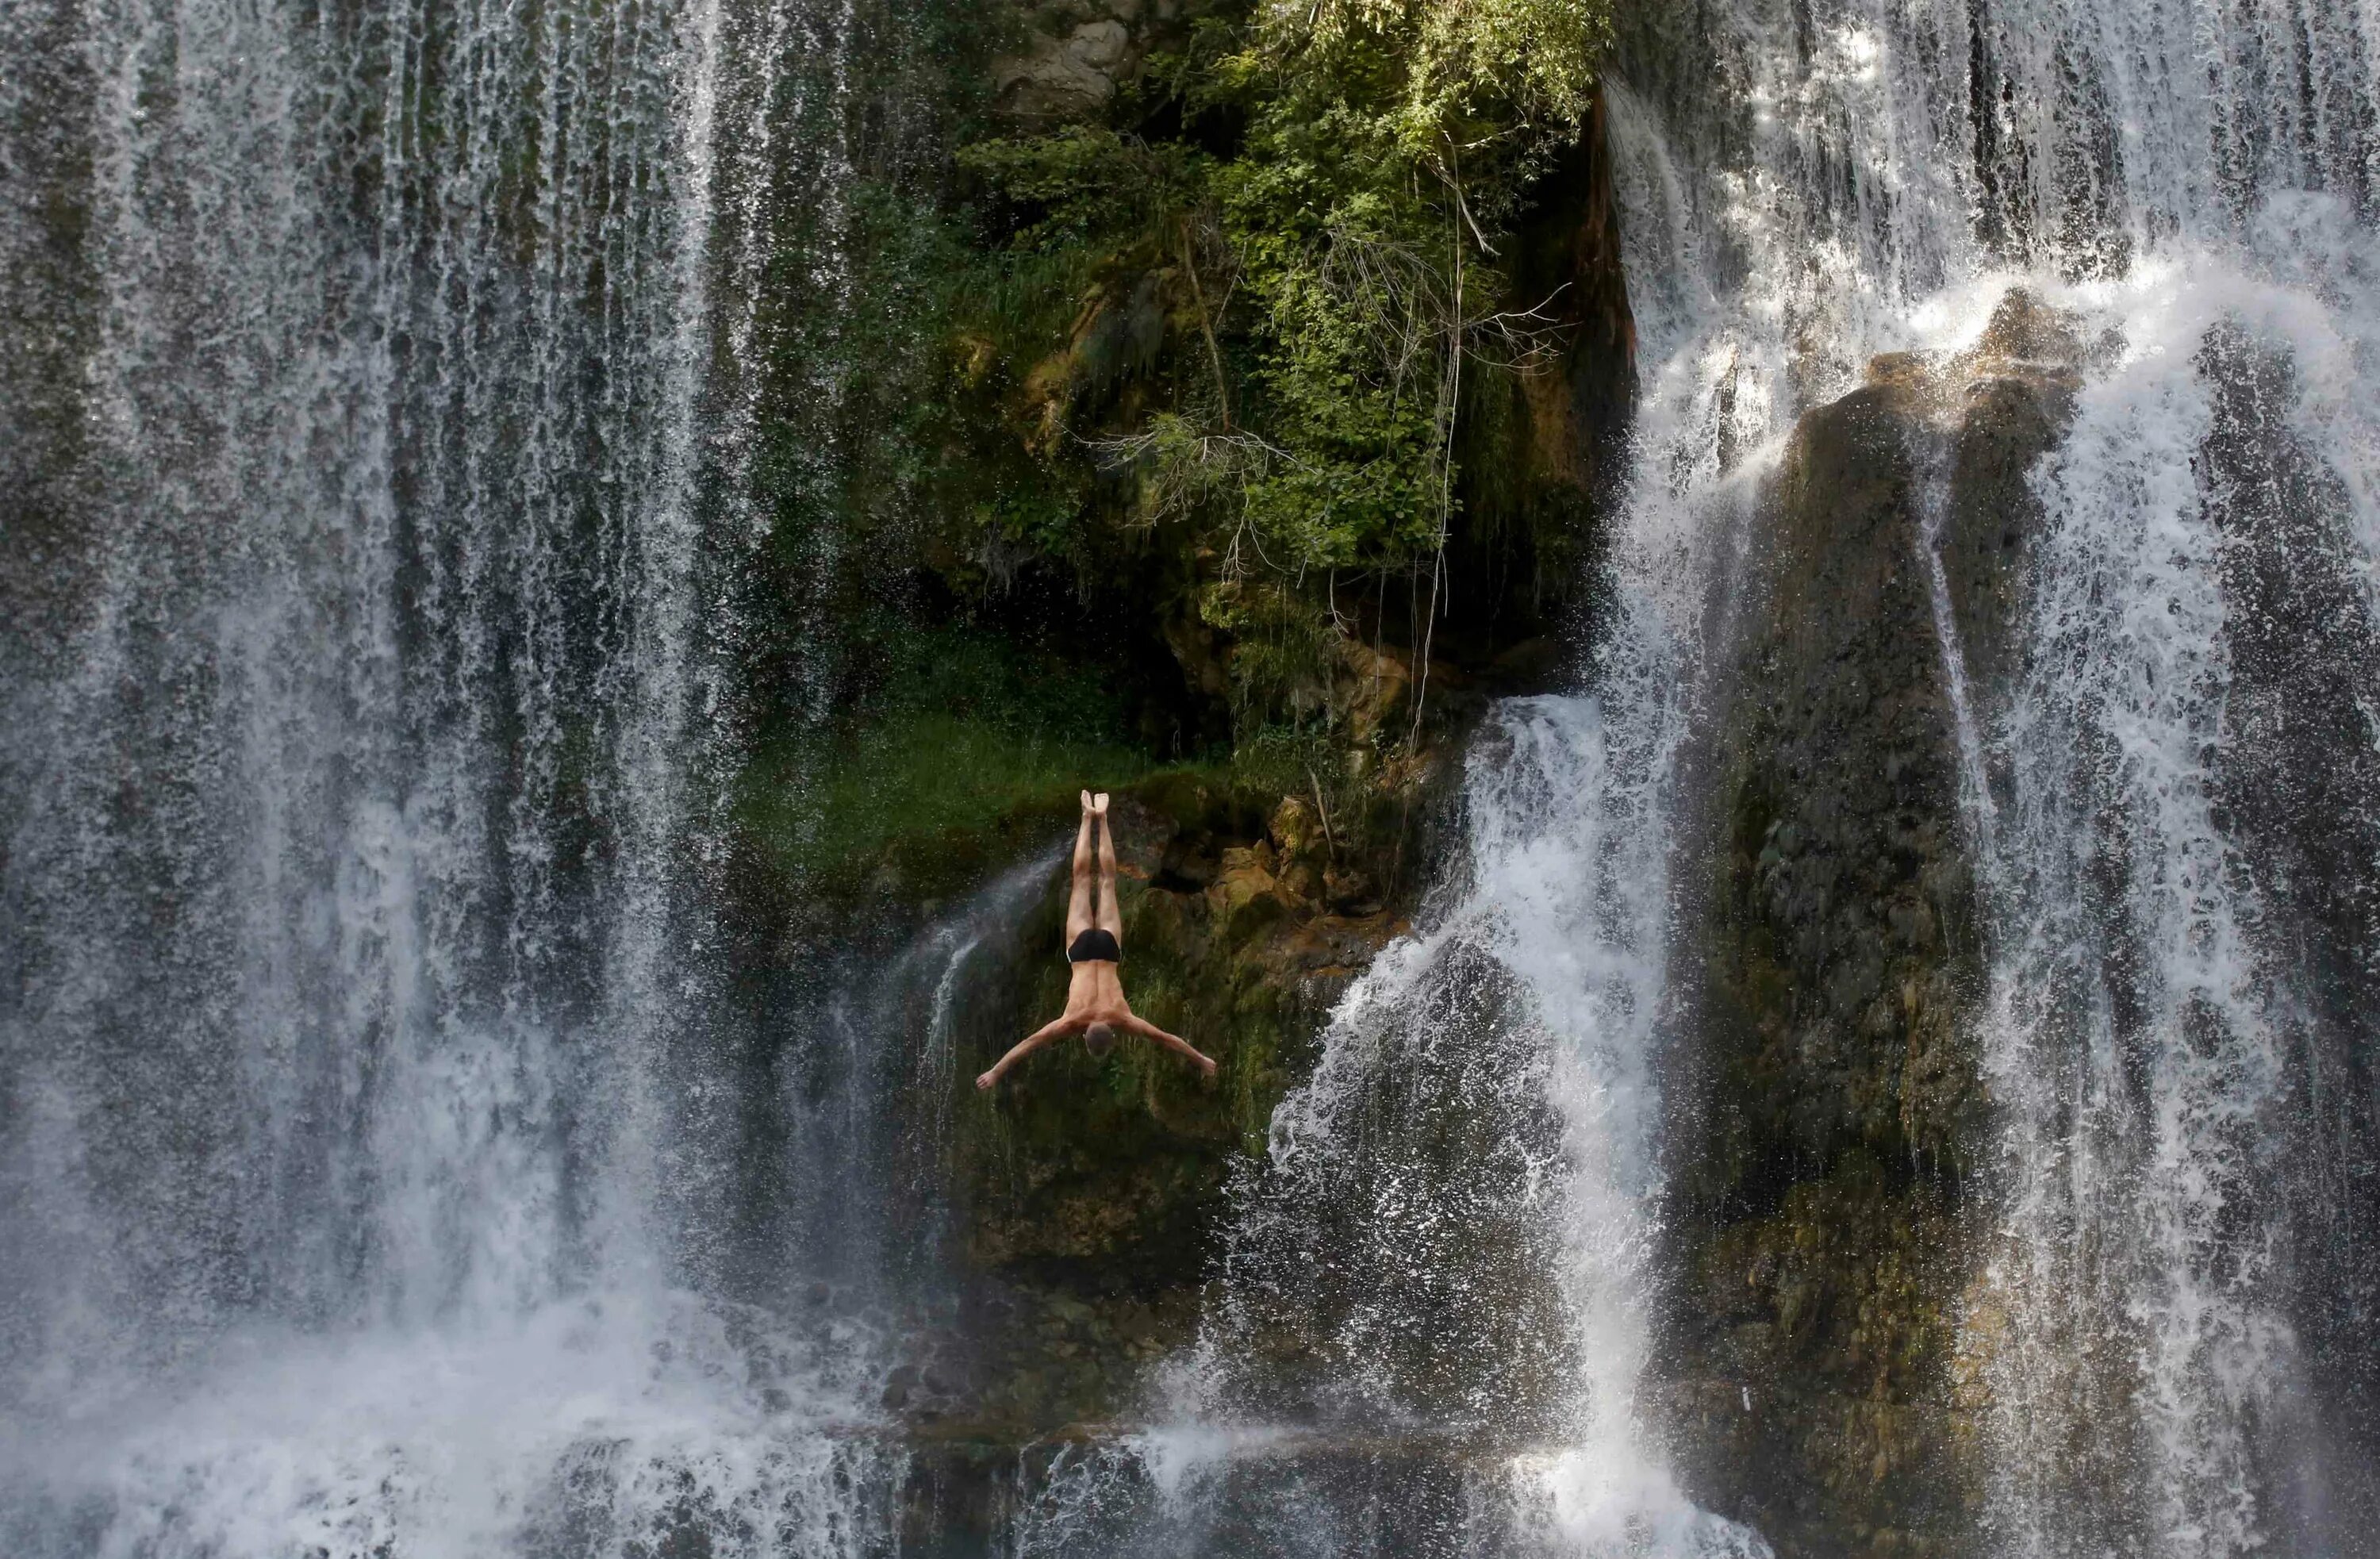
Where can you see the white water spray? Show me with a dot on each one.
(366, 758)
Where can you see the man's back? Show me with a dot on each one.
(1095, 1003)
(1095, 990)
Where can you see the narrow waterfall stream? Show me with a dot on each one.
(392, 1164)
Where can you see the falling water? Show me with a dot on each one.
(370, 603)
(374, 476)
(2157, 1015)
(864, 1144)
(2172, 800)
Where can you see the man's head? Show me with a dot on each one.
(1098, 1039)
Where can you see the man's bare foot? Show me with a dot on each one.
(1087, 802)
(1099, 804)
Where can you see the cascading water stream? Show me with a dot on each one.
(2171, 940)
(360, 1051)
(2143, 999)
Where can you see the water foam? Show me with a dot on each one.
(599, 1426)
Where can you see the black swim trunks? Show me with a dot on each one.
(1095, 946)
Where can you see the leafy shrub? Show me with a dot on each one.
(1324, 213)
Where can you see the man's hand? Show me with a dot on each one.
(1206, 1065)
(987, 1079)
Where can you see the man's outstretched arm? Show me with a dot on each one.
(1143, 1027)
(1021, 1049)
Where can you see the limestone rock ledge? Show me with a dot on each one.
(1074, 59)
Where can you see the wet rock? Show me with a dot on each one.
(1068, 76)
(2014, 395)
(1837, 1110)
(1526, 546)
(1373, 690)
(1349, 891)
(1245, 896)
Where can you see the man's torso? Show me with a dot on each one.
(1096, 992)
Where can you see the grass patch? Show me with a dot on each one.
(961, 744)
(932, 796)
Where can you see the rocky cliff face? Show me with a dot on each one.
(1828, 1118)
(1263, 866)
(1830, 1123)
(1827, 1107)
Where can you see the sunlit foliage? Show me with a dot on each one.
(1312, 250)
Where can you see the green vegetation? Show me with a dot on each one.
(965, 733)
(900, 788)
(1255, 320)
(1187, 396)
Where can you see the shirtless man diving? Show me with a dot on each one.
(1095, 1003)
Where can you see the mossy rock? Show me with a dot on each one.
(1833, 1114)
(1110, 1168)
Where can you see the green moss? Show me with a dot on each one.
(959, 740)
(901, 791)
(1840, 1314)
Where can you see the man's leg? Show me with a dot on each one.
(1081, 912)
(1110, 910)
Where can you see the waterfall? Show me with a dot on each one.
(865, 1142)
(2169, 802)
(384, 405)
(1450, 1237)
(377, 517)
(2159, 1022)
